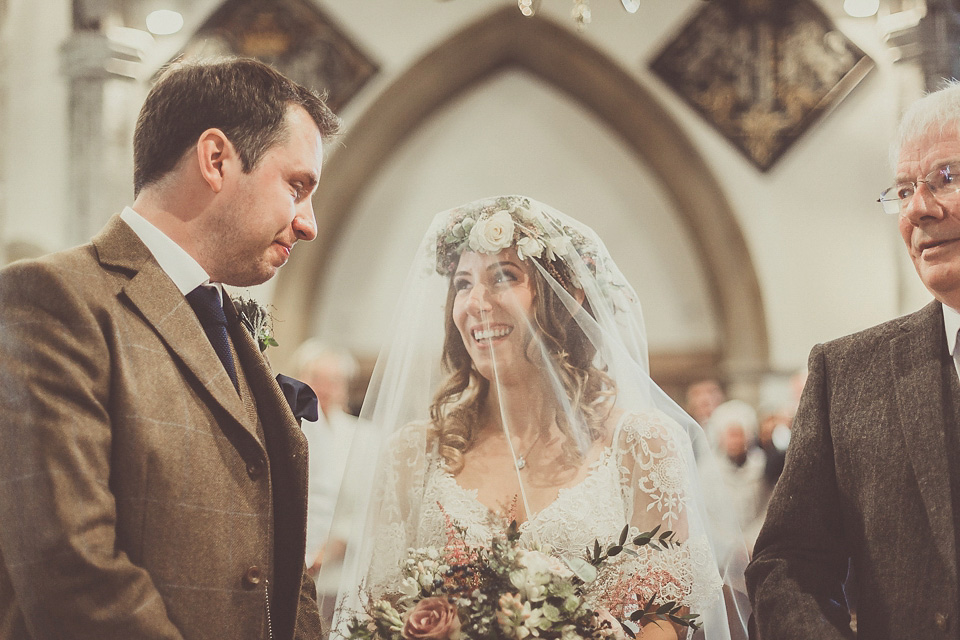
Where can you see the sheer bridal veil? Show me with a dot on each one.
(515, 385)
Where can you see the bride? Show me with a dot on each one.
(516, 388)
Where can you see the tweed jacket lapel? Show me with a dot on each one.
(916, 362)
(152, 292)
(287, 449)
(271, 404)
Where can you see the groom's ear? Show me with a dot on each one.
(214, 153)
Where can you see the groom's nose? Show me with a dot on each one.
(305, 222)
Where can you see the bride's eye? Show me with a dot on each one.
(460, 284)
(502, 276)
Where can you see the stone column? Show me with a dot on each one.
(84, 57)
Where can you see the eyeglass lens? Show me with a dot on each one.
(943, 180)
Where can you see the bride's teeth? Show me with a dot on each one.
(487, 334)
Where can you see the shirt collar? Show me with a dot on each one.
(179, 265)
(951, 324)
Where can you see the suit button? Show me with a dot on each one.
(255, 469)
(942, 620)
(252, 577)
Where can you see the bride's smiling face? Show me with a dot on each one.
(493, 309)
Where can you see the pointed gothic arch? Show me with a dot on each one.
(559, 57)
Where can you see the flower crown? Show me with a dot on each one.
(492, 225)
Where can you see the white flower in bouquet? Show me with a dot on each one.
(409, 587)
(517, 618)
(541, 562)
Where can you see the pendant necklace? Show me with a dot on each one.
(522, 460)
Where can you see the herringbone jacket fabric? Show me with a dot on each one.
(135, 495)
(866, 485)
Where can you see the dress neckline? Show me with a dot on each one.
(606, 455)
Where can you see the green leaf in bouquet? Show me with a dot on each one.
(623, 534)
(688, 620)
(550, 612)
(666, 607)
(581, 568)
(614, 550)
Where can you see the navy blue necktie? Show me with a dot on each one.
(205, 301)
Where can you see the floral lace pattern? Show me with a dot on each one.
(639, 479)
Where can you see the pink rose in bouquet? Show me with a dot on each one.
(432, 619)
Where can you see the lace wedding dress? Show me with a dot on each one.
(640, 480)
(515, 321)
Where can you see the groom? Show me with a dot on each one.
(152, 477)
(868, 507)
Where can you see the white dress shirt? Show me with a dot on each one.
(179, 265)
(951, 324)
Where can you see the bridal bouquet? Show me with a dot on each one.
(505, 592)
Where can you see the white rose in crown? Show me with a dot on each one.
(493, 234)
(528, 247)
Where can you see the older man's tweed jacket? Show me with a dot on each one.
(135, 494)
(867, 480)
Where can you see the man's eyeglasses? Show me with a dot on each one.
(942, 181)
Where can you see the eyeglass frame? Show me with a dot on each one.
(929, 180)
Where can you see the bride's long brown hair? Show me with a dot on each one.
(456, 407)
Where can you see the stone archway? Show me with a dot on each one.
(506, 39)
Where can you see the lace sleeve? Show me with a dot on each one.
(658, 480)
(397, 501)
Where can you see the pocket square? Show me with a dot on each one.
(300, 397)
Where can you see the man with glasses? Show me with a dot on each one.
(869, 501)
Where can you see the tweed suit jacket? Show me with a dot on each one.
(135, 494)
(866, 483)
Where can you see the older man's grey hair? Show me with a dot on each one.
(932, 113)
(314, 350)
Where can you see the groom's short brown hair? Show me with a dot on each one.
(244, 98)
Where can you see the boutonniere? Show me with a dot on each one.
(257, 320)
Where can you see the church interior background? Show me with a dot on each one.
(730, 152)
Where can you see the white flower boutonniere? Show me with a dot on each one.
(257, 320)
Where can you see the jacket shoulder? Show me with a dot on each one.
(929, 317)
(31, 278)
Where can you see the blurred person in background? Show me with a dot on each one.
(329, 371)
(702, 398)
(733, 429)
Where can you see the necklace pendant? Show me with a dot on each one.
(521, 463)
